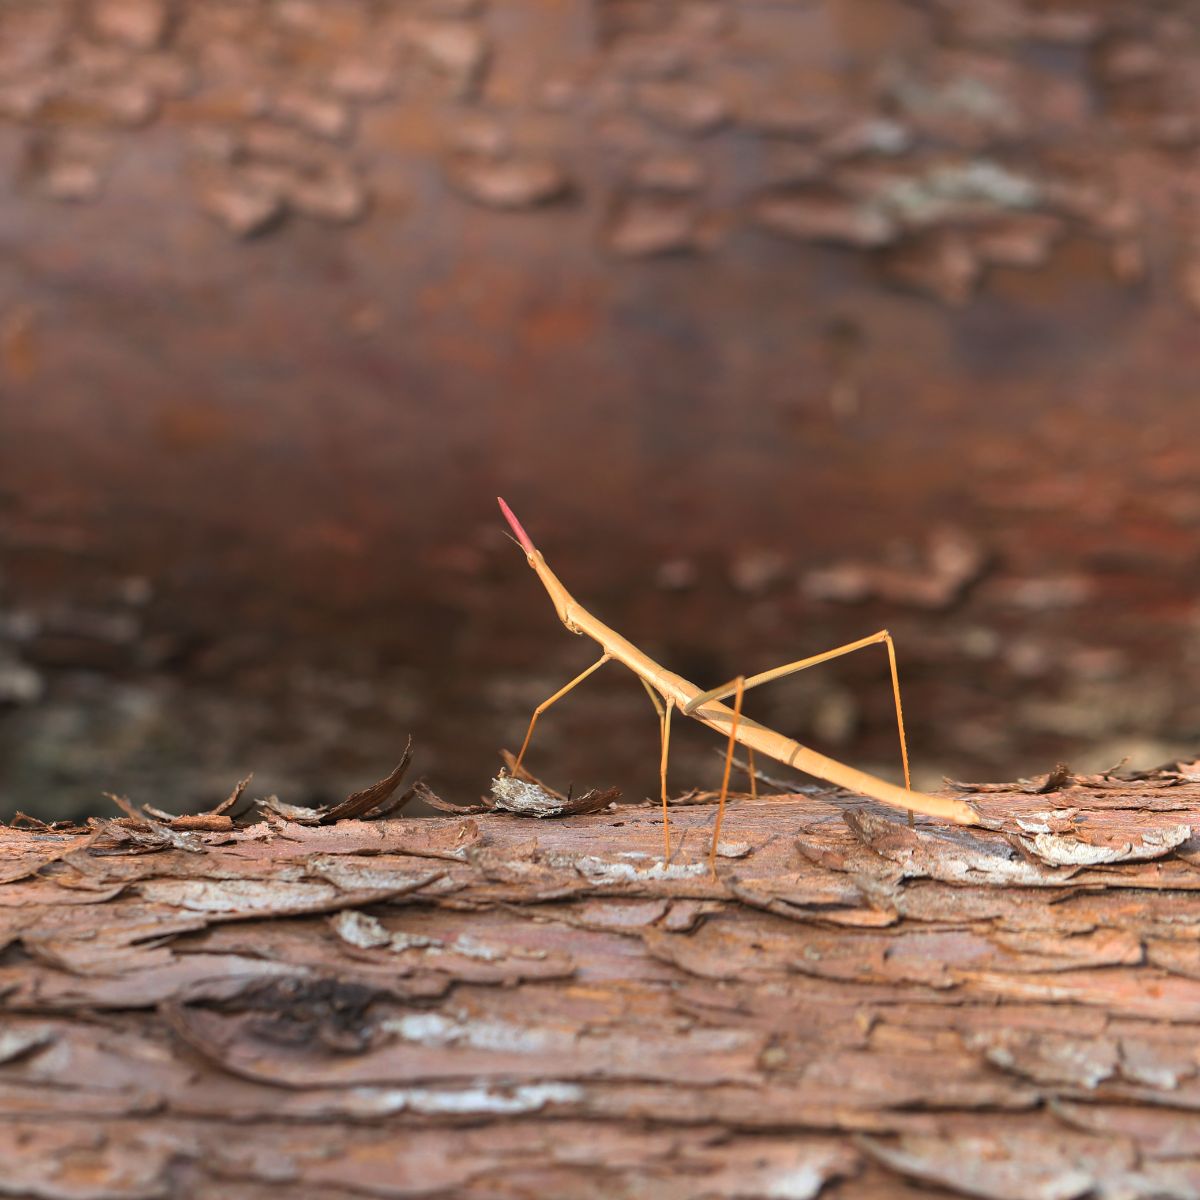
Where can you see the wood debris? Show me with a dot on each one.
(369, 804)
(525, 799)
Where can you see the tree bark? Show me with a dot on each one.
(490, 1006)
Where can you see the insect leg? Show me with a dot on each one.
(662, 776)
(545, 704)
(740, 685)
(658, 707)
(882, 637)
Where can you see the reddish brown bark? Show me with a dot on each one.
(487, 1006)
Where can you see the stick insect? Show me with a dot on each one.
(669, 692)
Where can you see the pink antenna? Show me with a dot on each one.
(517, 528)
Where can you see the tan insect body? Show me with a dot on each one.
(682, 694)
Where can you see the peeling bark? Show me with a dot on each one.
(491, 1006)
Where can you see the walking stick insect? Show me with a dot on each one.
(669, 692)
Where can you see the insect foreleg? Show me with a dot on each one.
(545, 704)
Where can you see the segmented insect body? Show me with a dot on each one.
(670, 692)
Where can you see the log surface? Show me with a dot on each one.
(490, 1006)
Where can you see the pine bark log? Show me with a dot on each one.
(490, 1006)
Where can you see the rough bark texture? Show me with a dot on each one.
(491, 1006)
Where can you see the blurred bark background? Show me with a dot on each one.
(778, 323)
